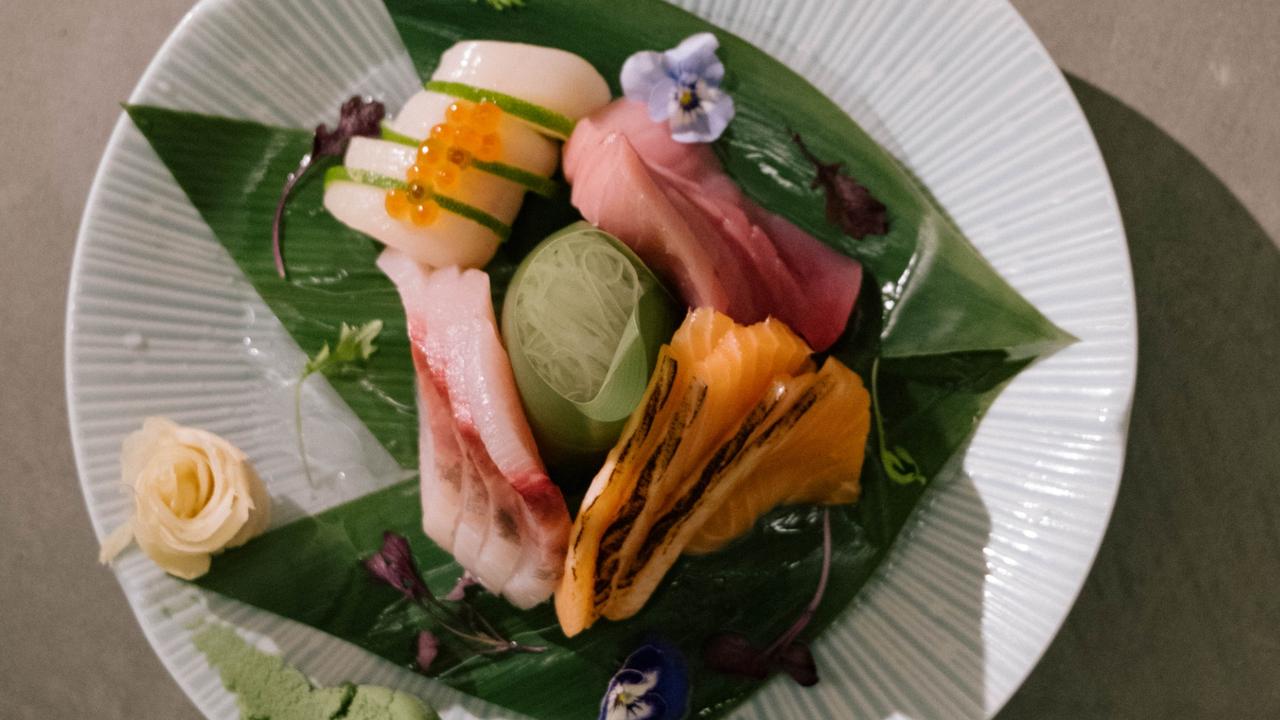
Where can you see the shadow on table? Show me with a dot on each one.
(1179, 617)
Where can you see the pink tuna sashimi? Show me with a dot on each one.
(674, 205)
(486, 497)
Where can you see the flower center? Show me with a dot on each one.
(687, 97)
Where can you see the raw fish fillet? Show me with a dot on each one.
(674, 205)
(486, 497)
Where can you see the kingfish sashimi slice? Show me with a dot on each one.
(616, 193)
(485, 493)
(661, 197)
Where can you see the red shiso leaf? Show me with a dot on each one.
(357, 117)
(850, 206)
(394, 565)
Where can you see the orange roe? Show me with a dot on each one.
(469, 133)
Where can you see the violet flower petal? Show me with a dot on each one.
(682, 87)
(694, 55)
(641, 72)
(661, 100)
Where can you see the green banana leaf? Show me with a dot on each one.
(954, 334)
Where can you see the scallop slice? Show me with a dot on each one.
(551, 78)
(497, 196)
(521, 146)
(450, 240)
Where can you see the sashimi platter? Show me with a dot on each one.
(668, 348)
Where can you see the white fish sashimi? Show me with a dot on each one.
(549, 77)
(503, 519)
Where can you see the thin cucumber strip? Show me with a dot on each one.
(544, 186)
(540, 184)
(392, 136)
(550, 121)
(341, 173)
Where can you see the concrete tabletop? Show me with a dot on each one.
(1180, 617)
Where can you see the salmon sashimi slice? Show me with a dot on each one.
(486, 495)
(675, 206)
(805, 468)
(735, 422)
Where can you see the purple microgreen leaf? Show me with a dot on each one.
(812, 608)
(459, 591)
(394, 565)
(733, 654)
(850, 206)
(358, 117)
(797, 661)
(428, 648)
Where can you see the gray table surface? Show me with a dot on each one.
(1180, 617)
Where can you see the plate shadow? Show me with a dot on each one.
(1179, 616)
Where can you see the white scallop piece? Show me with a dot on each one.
(522, 147)
(449, 240)
(160, 321)
(548, 77)
(497, 196)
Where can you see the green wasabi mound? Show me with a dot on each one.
(267, 688)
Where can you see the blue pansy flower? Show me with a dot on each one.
(653, 684)
(682, 87)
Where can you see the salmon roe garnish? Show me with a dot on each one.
(469, 133)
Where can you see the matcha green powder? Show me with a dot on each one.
(269, 689)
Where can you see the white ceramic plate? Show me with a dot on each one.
(161, 322)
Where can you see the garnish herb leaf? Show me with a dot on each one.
(358, 117)
(898, 463)
(732, 653)
(355, 345)
(850, 206)
(394, 565)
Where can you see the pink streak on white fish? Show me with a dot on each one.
(485, 492)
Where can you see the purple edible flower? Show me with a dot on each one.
(394, 565)
(653, 684)
(682, 87)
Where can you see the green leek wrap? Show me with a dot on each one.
(583, 320)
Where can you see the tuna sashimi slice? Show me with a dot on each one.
(675, 206)
(486, 495)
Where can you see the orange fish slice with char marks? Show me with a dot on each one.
(735, 422)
